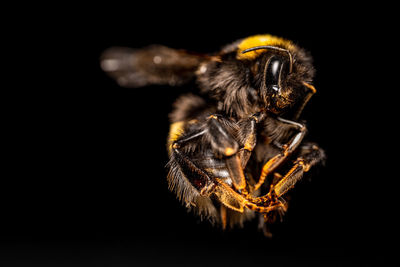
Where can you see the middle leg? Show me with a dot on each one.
(286, 150)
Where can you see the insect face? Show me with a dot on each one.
(282, 78)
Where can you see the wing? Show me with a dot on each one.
(155, 64)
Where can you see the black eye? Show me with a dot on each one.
(273, 73)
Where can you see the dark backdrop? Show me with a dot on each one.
(87, 182)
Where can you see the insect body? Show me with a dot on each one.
(236, 144)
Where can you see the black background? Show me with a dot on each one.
(86, 182)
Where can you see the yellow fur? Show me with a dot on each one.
(258, 40)
(176, 130)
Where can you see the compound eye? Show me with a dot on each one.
(273, 73)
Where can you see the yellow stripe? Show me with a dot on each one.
(175, 130)
(258, 40)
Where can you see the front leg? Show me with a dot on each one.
(287, 149)
(310, 154)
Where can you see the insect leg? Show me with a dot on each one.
(222, 142)
(225, 146)
(237, 202)
(287, 149)
(247, 137)
(310, 155)
(198, 178)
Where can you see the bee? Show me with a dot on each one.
(236, 144)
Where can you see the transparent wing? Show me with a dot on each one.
(155, 64)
